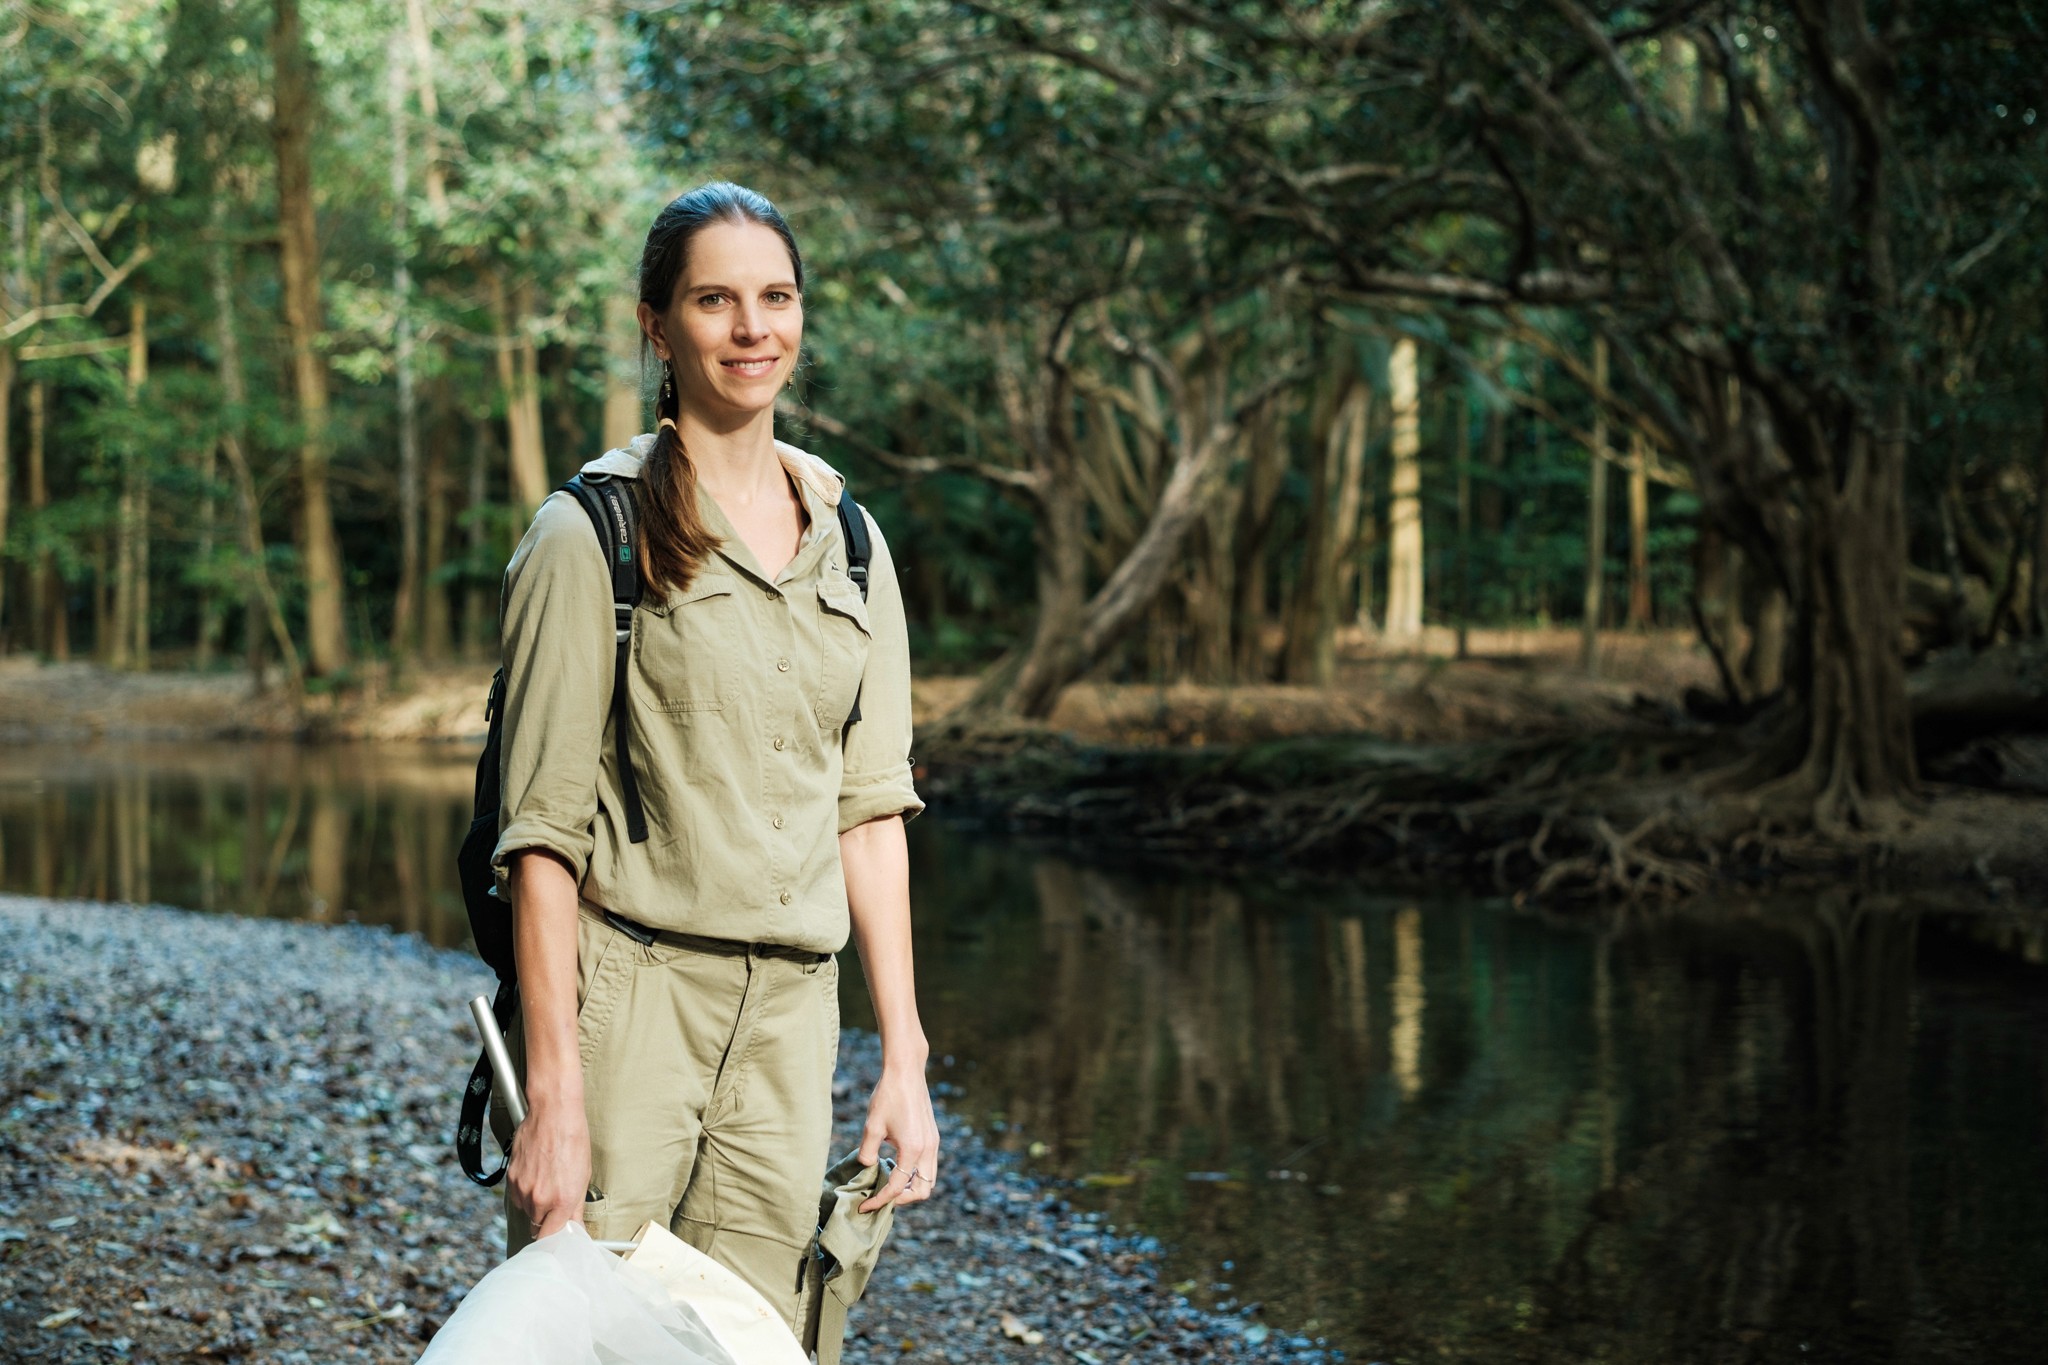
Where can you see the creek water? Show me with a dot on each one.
(1795, 1129)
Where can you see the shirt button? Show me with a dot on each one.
(778, 822)
(782, 665)
(778, 742)
(785, 898)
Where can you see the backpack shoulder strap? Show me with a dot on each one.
(853, 526)
(853, 530)
(609, 504)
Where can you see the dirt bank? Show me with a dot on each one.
(227, 1138)
(1515, 684)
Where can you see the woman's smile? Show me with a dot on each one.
(751, 367)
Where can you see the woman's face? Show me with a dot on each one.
(736, 323)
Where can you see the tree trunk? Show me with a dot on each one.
(6, 480)
(1854, 725)
(405, 608)
(1310, 656)
(102, 603)
(1464, 453)
(1493, 493)
(1059, 656)
(261, 604)
(1640, 607)
(1265, 468)
(1404, 507)
(437, 641)
(137, 496)
(207, 642)
(477, 629)
(430, 108)
(1596, 520)
(46, 596)
(623, 407)
(117, 647)
(624, 410)
(1764, 670)
(1061, 536)
(2041, 521)
(517, 378)
(1357, 517)
(299, 265)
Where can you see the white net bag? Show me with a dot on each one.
(564, 1300)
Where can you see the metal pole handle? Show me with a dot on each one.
(508, 1084)
(501, 1060)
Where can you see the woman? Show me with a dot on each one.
(688, 1079)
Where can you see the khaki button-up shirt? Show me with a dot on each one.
(740, 686)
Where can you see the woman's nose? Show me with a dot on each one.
(750, 323)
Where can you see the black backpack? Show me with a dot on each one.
(608, 501)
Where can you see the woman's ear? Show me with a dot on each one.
(650, 327)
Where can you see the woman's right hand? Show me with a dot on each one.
(549, 1172)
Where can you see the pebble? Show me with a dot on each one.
(227, 1138)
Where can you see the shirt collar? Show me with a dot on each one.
(817, 483)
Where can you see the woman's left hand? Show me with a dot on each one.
(900, 1114)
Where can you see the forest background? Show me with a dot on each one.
(1170, 340)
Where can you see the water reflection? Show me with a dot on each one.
(1425, 1129)
(1751, 1132)
(343, 833)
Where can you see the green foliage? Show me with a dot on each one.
(1004, 210)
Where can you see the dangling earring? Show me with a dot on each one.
(668, 400)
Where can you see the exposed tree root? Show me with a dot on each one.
(1607, 816)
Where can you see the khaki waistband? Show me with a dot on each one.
(701, 943)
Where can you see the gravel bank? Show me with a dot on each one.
(226, 1138)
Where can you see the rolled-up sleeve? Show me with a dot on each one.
(876, 778)
(556, 643)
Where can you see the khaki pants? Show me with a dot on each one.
(707, 1081)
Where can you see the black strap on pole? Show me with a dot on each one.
(476, 1099)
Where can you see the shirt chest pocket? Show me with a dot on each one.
(686, 646)
(844, 637)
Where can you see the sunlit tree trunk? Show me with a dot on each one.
(139, 481)
(299, 265)
(1595, 595)
(130, 605)
(422, 39)
(1639, 603)
(1404, 508)
(518, 379)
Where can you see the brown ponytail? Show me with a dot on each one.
(674, 541)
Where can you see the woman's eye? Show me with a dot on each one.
(778, 296)
(710, 300)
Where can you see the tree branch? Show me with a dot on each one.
(1023, 481)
